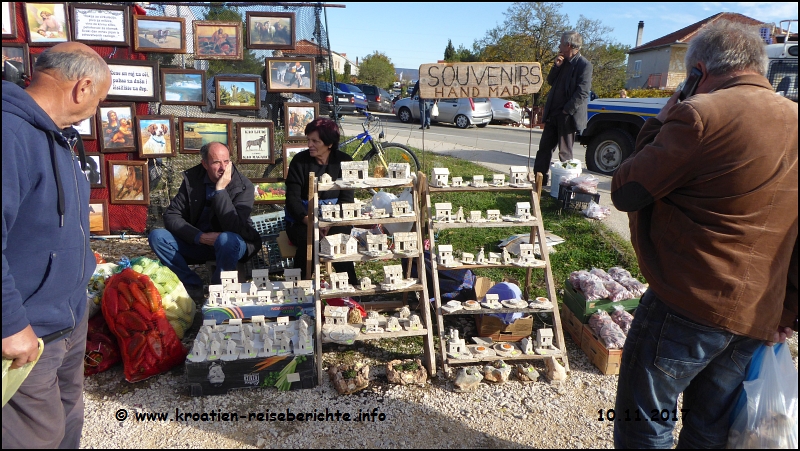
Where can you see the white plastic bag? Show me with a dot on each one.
(596, 211)
(435, 109)
(770, 418)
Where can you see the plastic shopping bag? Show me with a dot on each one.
(769, 418)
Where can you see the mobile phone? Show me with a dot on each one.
(690, 85)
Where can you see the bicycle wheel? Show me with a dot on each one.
(392, 153)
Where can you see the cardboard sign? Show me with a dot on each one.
(454, 80)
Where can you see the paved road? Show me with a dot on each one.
(496, 147)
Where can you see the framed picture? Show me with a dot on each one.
(195, 132)
(217, 40)
(86, 128)
(136, 81)
(96, 170)
(159, 34)
(18, 53)
(47, 23)
(270, 31)
(98, 217)
(128, 182)
(269, 191)
(289, 151)
(255, 142)
(296, 117)
(115, 127)
(235, 93)
(183, 87)
(291, 75)
(156, 136)
(96, 24)
(9, 20)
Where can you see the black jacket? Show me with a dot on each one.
(578, 85)
(231, 209)
(297, 182)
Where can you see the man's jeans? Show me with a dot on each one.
(666, 354)
(177, 254)
(425, 112)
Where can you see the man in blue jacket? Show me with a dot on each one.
(47, 261)
(567, 103)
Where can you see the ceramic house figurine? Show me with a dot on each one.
(338, 245)
(399, 170)
(330, 212)
(263, 297)
(544, 341)
(335, 315)
(457, 182)
(493, 215)
(307, 286)
(477, 181)
(523, 212)
(393, 274)
(494, 258)
(498, 179)
(475, 216)
(229, 278)
(481, 257)
(351, 211)
(506, 259)
(340, 282)
(404, 312)
(459, 217)
(456, 347)
(401, 208)
(446, 255)
(292, 275)
(325, 179)
(371, 324)
(414, 323)
(365, 283)
(405, 242)
(467, 258)
(439, 177)
(261, 278)
(378, 213)
(392, 324)
(353, 171)
(444, 211)
(526, 255)
(376, 245)
(518, 176)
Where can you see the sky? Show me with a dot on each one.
(411, 34)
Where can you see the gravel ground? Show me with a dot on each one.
(510, 415)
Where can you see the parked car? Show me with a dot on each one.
(358, 95)
(345, 100)
(505, 111)
(462, 112)
(378, 98)
(211, 97)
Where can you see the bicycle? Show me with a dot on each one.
(378, 154)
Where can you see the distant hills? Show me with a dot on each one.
(406, 75)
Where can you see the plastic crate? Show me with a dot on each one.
(269, 226)
(575, 200)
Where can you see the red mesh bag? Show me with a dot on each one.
(102, 351)
(148, 343)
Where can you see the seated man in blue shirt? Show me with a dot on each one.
(209, 219)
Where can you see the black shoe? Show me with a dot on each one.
(428, 127)
(422, 127)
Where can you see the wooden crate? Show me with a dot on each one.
(571, 324)
(607, 361)
(490, 326)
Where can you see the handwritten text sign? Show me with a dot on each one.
(131, 81)
(453, 80)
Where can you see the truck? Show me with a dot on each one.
(613, 124)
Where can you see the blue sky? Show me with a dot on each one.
(411, 34)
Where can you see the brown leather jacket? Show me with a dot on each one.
(712, 196)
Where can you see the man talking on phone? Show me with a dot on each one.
(567, 102)
(711, 192)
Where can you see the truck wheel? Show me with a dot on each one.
(608, 150)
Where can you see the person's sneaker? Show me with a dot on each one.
(196, 293)
(428, 127)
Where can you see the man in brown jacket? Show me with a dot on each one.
(712, 196)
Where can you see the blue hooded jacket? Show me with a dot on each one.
(47, 261)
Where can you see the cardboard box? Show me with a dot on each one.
(572, 324)
(583, 309)
(222, 314)
(482, 285)
(490, 326)
(218, 377)
(607, 361)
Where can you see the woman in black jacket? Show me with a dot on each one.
(321, 157)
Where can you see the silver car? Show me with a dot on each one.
(505, 111)
(461, 112)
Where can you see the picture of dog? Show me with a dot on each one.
(157, 143)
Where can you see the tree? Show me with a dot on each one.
(377, 69)
(249, 63)
(347, 70)
(532, 32)
(449, 52)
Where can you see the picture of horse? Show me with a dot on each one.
(128, 182)
(159, 34)
(270, 30)
(298, 115)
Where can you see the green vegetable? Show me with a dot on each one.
(282, 384)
